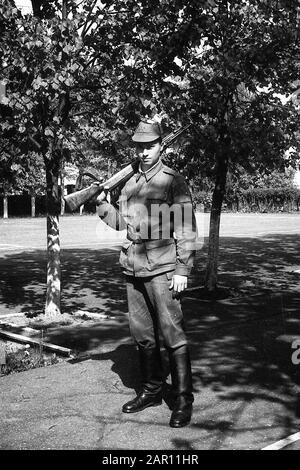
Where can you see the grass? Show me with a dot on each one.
(19, 358)
(26, 359)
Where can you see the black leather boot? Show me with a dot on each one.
(181, 374)
(151, 392)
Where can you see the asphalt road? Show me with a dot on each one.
(247, 389)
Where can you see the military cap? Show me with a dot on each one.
(147, 132)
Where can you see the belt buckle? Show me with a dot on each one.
(138, 241)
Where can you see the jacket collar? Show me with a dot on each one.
(151, 172)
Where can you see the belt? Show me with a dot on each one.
(138, 241)
(156, 242)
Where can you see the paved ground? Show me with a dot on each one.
(257, 255)
(247, 389)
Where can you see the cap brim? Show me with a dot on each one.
(145, 138)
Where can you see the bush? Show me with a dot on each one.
(254, 200)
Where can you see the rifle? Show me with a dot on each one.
(78, 198)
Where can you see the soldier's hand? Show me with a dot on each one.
(102, 197)
(178, 283)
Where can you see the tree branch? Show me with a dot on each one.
(88, 18)
(32, 139)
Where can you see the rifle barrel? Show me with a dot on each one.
(169, 138)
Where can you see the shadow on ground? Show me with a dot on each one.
(91, 278)
(255, 265)
(241, 346)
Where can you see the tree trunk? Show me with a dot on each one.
(109, 168)
(64, 9)
(53, 165)
(62, 190)
(53, 244)
(62, 205)
(36, 7)
(32, 206)
(214, 226)
(5, 207)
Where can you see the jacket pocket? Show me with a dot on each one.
(160, 253)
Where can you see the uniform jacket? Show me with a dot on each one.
(156, 209)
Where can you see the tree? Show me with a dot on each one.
(221, 64)
(100, 67)
(59, 64)
(250, 56)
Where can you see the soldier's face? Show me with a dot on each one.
(149, 153)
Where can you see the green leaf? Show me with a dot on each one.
(49, 132)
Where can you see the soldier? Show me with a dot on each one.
(156, 208)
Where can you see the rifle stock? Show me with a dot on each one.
(81, 197)
(78, 198)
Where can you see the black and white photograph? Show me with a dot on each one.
(149, 228)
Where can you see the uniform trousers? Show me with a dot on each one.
(153, 307)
